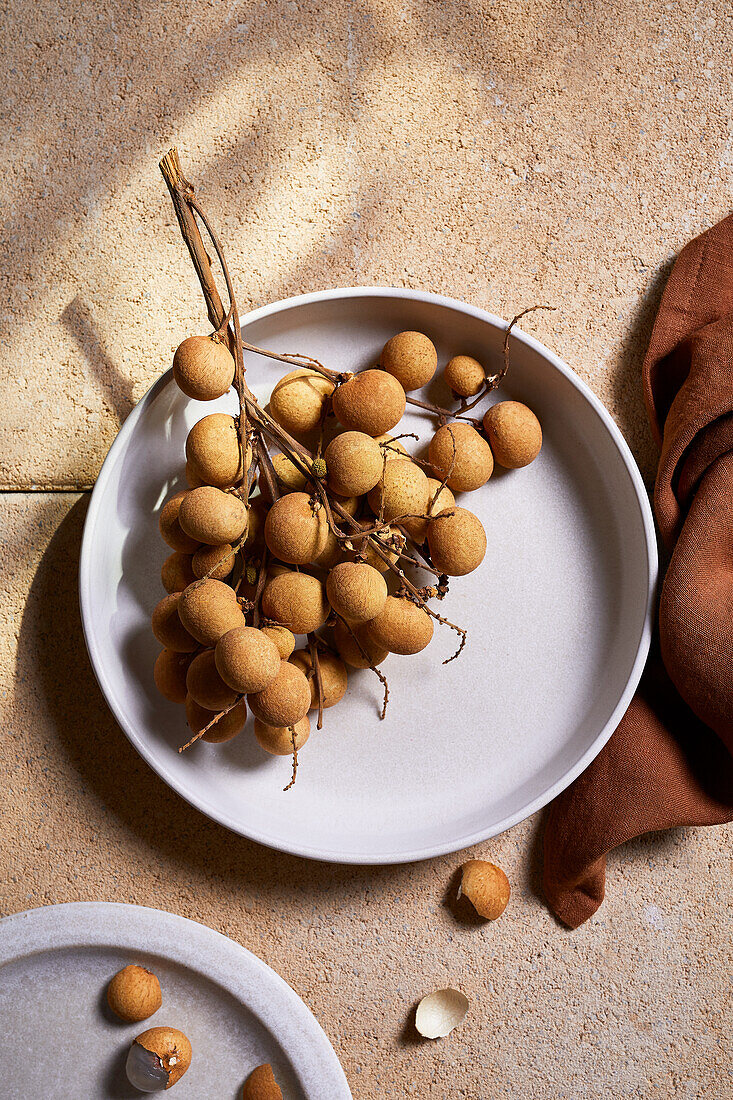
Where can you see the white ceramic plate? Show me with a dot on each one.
(59, 1040)
(558, 614)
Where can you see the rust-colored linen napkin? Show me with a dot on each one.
(670, 762)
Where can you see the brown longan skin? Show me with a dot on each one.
(457, 542)
(334, 677)
(354, 461)
(297, 601)
(164, 1041)
(391, 448)
(177, 572)
(464, 375)
(216, 562)
(401, 627)
(356, 591)
(278, 741)
(134, 994)
(205, 685)
(364, 548)
(411, 358)
(169, 673)
(261, 1083)
(514, 432)
(288, 474)
(372, 402)
(402, 491)
(203, 368)
(228, 726)
(295, 531)
(350, 644)
(444, 499)
(212, 517)
(284, 701)
(208, 609)
(246, 659)
(297, 400)
(168, 628)
(486, 886)
(470, 466)
(212, 448)
(170, 527)
(282, 637)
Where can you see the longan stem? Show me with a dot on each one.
(213, 722)
(373, 668)
(316, 663)
(295, 759)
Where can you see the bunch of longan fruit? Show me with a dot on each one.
(314, 522)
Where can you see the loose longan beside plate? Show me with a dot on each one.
(558, 614)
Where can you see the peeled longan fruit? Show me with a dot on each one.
(371, 402)
(246, 659)
(350, 644)
(170, 527)
(297, 400)
(214, 561)
(228, 726)
(402, 491)
(296, 529)
(457, 542)
(211, 516)
(169, 673)
(297, 601)
(205, 685)
(401, 626)
(391, 448)
(282, 637)
(177, 572)
(444, 499)
(354, 461)
(356, 591)
(471, 466)
(209, 609)
(278, 740)
(285, 700)
(411, 358)
(334, 677)
(203, 368)
(168, 628)
(514, 433)
(212, 448)
(464, 375)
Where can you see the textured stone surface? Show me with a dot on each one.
(507, 153)
(631, 1005)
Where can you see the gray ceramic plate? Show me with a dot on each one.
(59, 1041)
(558, 614)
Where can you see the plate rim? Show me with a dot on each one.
(432, 850)
(184, 942)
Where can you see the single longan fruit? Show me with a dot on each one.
(205, 685)
(332, 552)
(227, 727)
(356, 591)
(203, 368)
(212, 448)
(402, 491)
(297, 601)
(246, 659)
(486, 887)
(170, 527)
(209, 609)
(371, 402)
(514, 433)
(215, 561)
(444, 499)
(169, 673)
(464, 375)
(389, 540)
(457, 541)
(298, 398)
(278, 740)
(401, 626)
(296, 529)
(356, 646)
(411, 358)
(168, 628)
(282, 637)
(134, 994)
(287, 473)
(285, 700)
(470, 462)
(334, 677)
(177, 572)
(158, 1048)
(212, 517)
(391, 448)
(354, 461)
